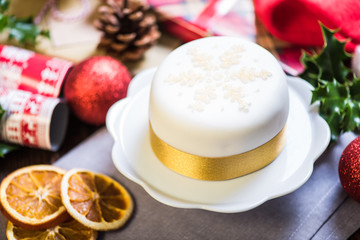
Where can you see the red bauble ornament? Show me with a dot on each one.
(94, 85)
(349, 169)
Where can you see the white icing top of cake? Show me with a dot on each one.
(218, 96)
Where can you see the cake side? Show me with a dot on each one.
(218, 96)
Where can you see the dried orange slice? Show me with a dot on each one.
(70, 230)
(30, 197)
(95, 200)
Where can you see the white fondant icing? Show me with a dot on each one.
(218, 96)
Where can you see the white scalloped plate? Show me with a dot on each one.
(308, 135)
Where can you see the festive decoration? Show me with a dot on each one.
(4, 147)
(100, 195)
(190, 20)
(29, 86)
(94, 85)
(53, 185)
(349, 169)
(42, 184)
(50, 5)
(32, 120)
(129, 28)
(336, 86)
(29, 71)
(297, 21)
(23, 30)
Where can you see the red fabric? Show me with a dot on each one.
(185, 30)
(297, 21)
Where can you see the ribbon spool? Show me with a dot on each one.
(33, 120)
(32, 72)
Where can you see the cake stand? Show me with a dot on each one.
(308, 135)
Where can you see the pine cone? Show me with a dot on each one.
(129, 27)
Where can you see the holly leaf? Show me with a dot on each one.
(312, 69)
(23, 30)
(4, 5)
(4, 147)
(335, 85)
(332, 97)
(329, 64)
(352, 110)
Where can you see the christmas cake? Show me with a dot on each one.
(218, 108)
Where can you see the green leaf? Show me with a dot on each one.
(330, 90)
(354, 88)
(336, 86)
(2, 112)
(4, 5)
(6, 148)
(332, 97)
(312, 70)
(23, 30)
(351, 119)
(332, 58)
(329, 64)
(4, 21)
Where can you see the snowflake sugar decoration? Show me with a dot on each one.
(229, 59)
(212, 76)
(186, 79)
(236, 95)
(205, 95)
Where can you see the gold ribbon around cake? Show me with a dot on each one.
(218, 168)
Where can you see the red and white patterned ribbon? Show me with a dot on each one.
(29, 71)
(32, 120)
